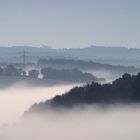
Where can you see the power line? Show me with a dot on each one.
(24, 60)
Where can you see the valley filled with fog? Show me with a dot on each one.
(69, 69)
(92, 122)
(61, 98)
(17, 99)
(83, 122)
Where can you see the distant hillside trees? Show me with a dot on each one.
(10, 70)
(85, 65)
(67, 75)
(33, 73)
(1, 71)
(72, 75)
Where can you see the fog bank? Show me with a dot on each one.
(18, 98)
(92, 123)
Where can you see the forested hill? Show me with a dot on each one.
(101, 54)
(81, 64)
(123, 90)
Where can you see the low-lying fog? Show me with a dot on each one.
(107, 75)
(92, 123)
(18, 98)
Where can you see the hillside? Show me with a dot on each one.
(109, 55)
(72, 75)
(123, 90)
(84, 65)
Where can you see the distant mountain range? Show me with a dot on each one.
(110, 55)
(105, 52)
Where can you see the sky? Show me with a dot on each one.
(70, 23)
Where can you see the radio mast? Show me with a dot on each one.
(24, 60)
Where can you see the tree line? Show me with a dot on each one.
(123, 90)
(73, 75)
(10, 70)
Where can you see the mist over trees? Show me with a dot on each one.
(84, 65)
(11, 74)
(74, 75)
(33, 73)
(10, 70)
(123, 90)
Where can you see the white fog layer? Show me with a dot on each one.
(115, 123)
(14, 101)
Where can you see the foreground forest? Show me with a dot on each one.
(123, 90)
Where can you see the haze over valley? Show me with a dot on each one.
(69, 70)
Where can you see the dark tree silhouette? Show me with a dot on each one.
(10, 70)
(81, 64)
(123, 90)
(1, 71)
(33, 73)
(74, 75)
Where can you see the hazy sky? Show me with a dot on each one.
(70, 23)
